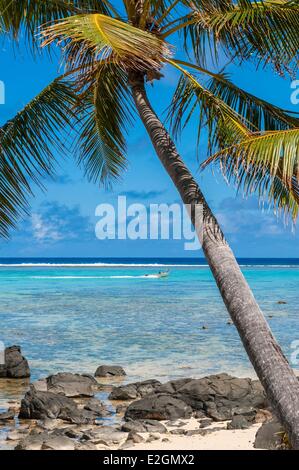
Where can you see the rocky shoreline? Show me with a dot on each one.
(65, 411)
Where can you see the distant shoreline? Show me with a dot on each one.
(73, 262)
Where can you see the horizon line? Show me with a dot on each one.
(139, 257)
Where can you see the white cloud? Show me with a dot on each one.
(56, 222)
(44, 232)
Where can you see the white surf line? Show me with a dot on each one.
(149, 276)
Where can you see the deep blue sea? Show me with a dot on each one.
(75, 314)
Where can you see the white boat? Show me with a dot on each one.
(163, 274)
(159, 275)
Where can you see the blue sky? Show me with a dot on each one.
(62, 220)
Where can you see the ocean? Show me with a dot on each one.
(75, 314)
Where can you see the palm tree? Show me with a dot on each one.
(110, 50)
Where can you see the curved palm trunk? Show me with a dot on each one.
(271, 366)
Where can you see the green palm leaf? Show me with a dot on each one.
(263, 30)
(26, 148)
(106, 114)
(224, 125)
(259, 114)
(284, 197)
(29, 15)
(266, 163)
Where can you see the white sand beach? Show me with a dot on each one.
(223, 439)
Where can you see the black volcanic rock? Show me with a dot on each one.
(42, 405)
(219, 397)
(110, 371)
(15, 366)
(72, 385)
(134, 390)
(269, 436)
(158, 407)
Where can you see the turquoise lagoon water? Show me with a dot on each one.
(76, 317)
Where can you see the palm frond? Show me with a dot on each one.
(284, 197)
(266, 31)
(28, 15)
(106, 113)
(224, 125)
(258, 113)
(166, 11)
(267, 164)
(26, 148)
(96, 37)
